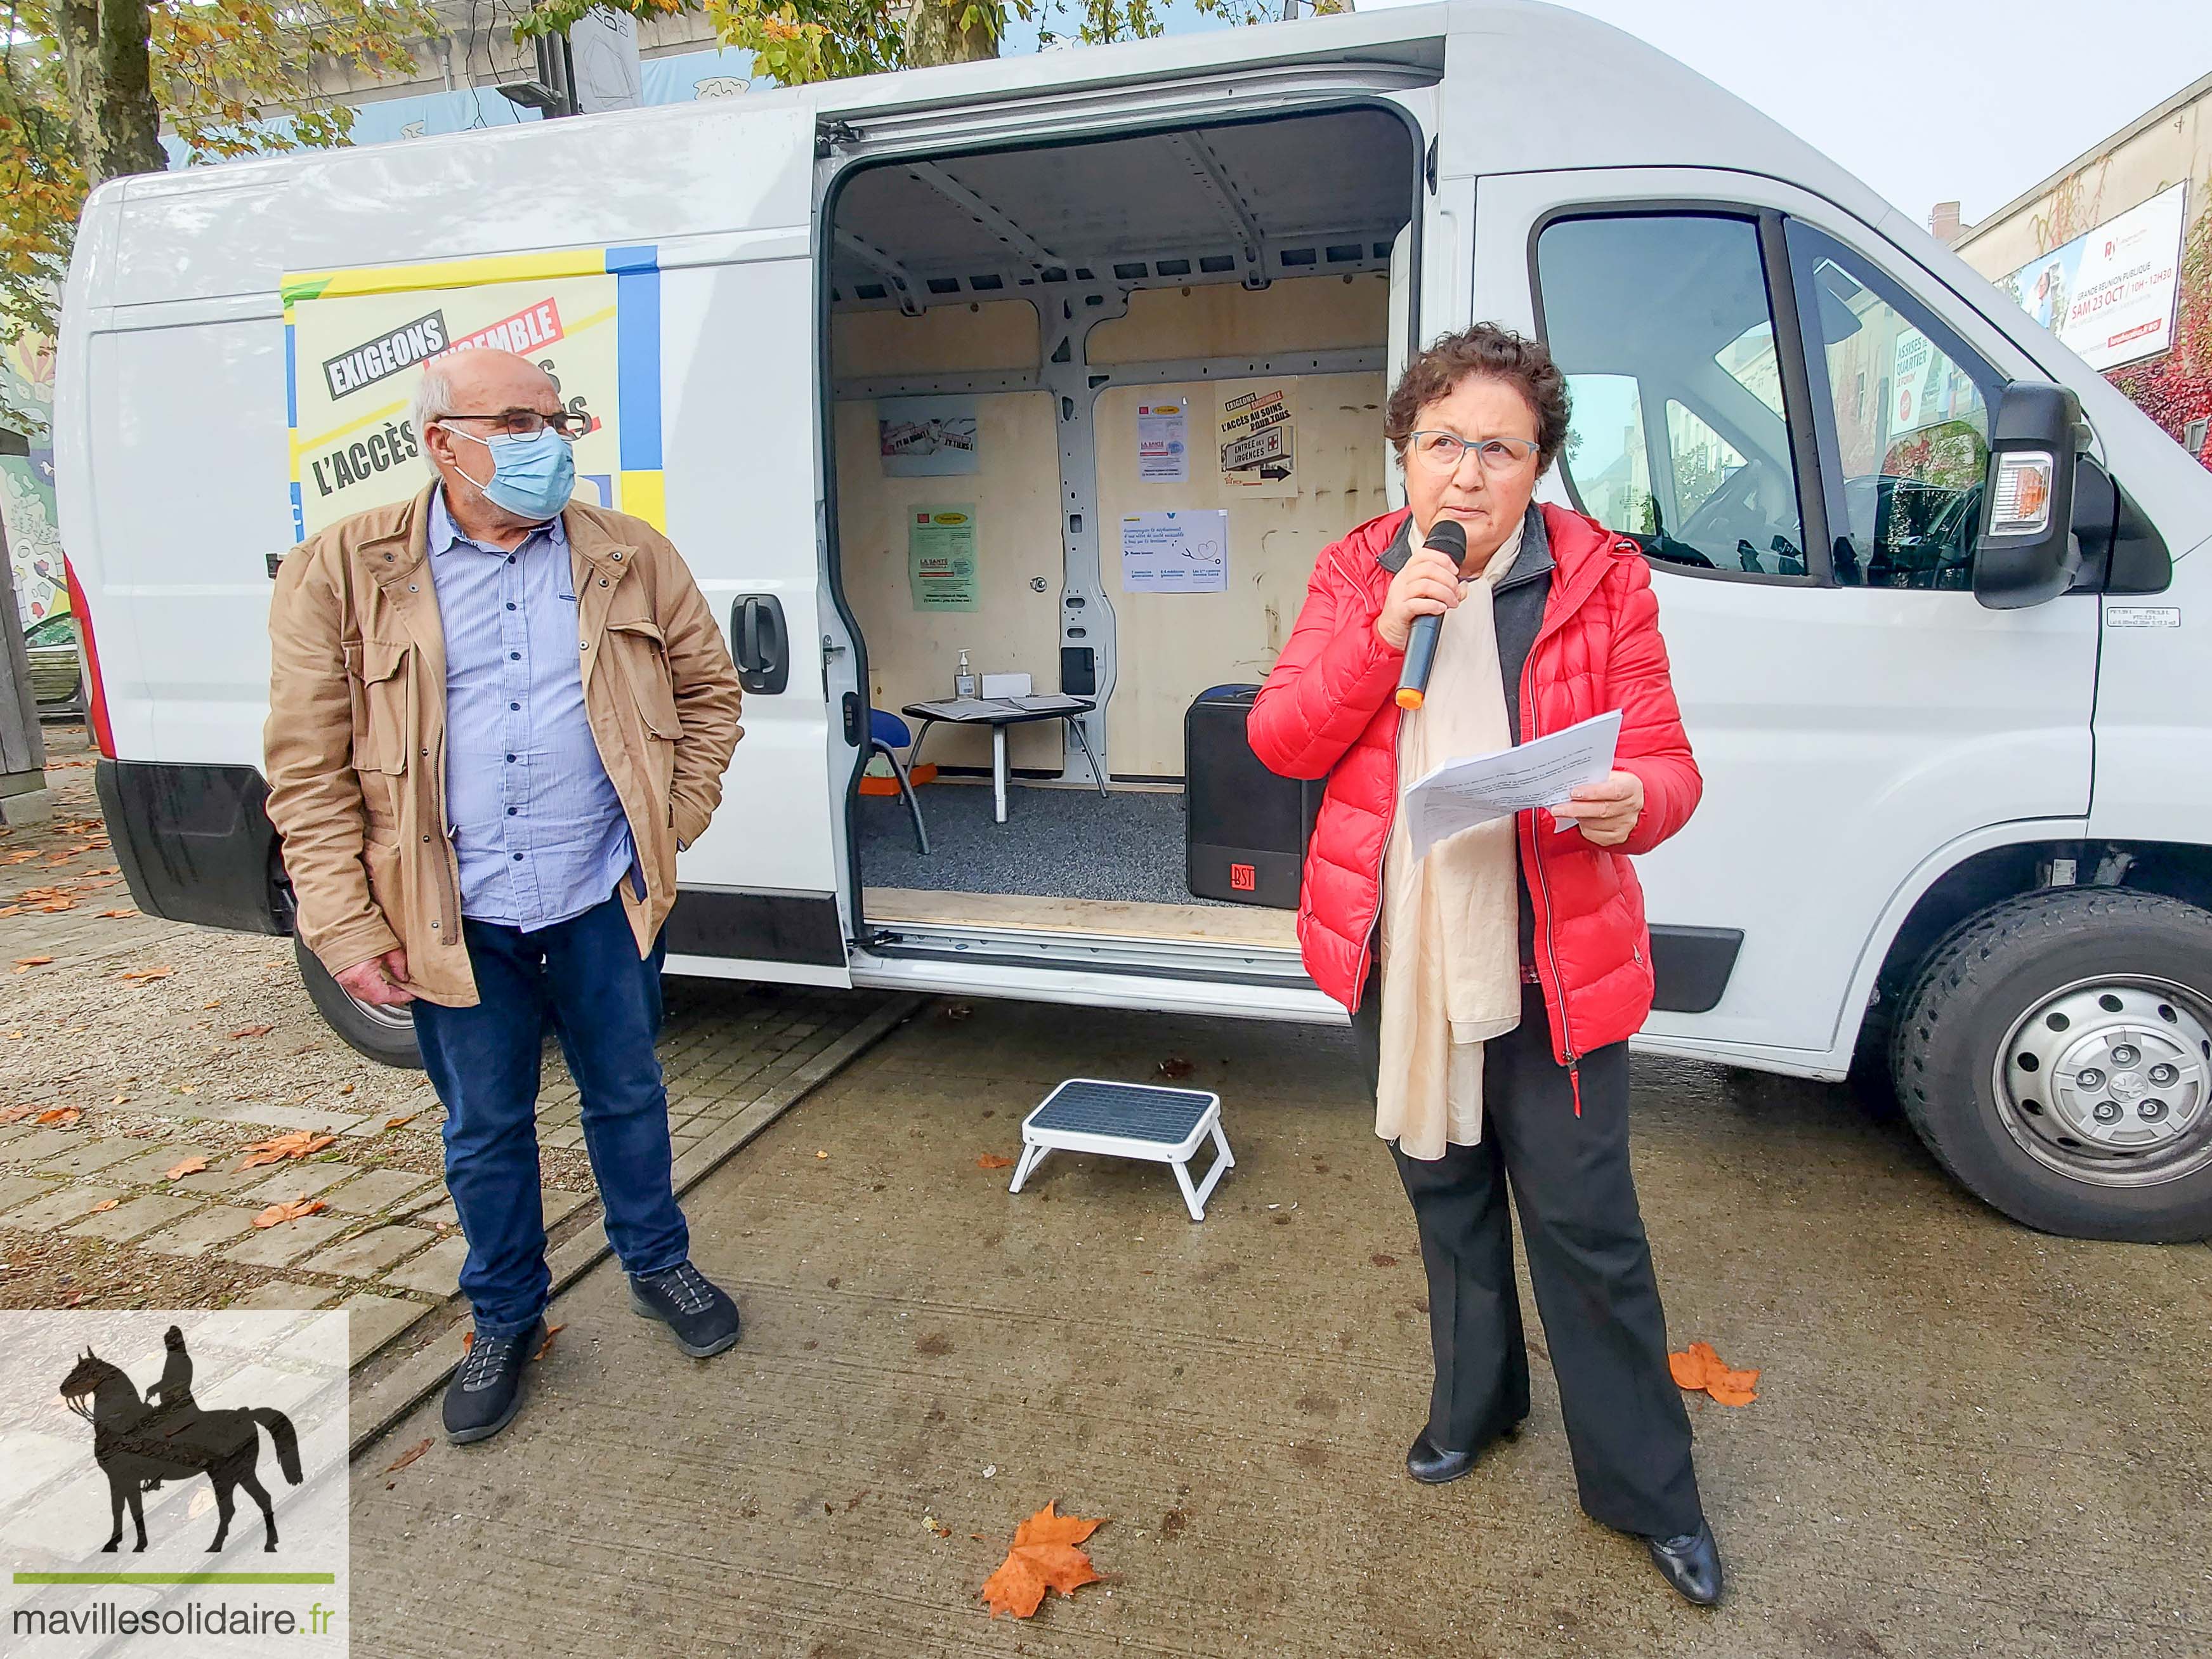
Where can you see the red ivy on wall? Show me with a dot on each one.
(2177, 388)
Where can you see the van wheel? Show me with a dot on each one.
(387, 1034)
(2056, 1055)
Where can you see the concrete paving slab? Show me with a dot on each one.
(368, 1253)
(295, 1179)
(285, 1296)
(436, 1272)
(133, 1217)
(1918, 1476)
(374, 1320)
(147, 1168)
(559, 1203)
(278, 1246)
(39, 1144)
(207, 1229)
(65, 1203)
(14, 1188)
(89, 1157)
(377, 1189)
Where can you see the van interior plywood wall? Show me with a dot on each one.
(1309, 313)
(1014, 627)
(944, 340)
(1173, 646)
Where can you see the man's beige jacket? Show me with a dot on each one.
(356, 736)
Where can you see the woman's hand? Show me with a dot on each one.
(1426, 585)
(1607, 811)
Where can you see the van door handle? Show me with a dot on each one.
(763, 643)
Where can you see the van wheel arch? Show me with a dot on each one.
(385, 1035)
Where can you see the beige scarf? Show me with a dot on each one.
(1452, 973)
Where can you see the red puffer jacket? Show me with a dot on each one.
(1329, 710)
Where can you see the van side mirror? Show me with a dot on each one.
(2027, 553)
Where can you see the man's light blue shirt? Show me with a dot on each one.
(539, 828)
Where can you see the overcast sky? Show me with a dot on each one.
(1927, 101)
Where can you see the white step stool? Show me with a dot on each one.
(1128, 1119)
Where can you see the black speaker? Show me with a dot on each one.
(1245, 828)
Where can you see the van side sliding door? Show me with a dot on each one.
(761, 894)
(1792, 420)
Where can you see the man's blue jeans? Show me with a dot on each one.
(604, 1003)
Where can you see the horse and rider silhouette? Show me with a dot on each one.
(138, 1443)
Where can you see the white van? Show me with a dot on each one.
(922, 364)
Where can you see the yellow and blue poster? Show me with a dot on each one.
(355, 341)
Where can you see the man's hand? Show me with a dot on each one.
(1606, 810)
(381, 981)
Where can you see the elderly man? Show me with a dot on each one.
(495, 714)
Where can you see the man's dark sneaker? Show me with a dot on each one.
(486, 1391)
(690, 1304)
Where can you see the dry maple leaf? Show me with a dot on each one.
(1698, 1366)
(105, 1204)
(17, 1113)
(64, 1115)
(300, 1143)
(251, 1031)
(407, 1456)
(993, 1161)
(401, 1122)
(1045, 1556)
(546, 1346)
(190, 1166)
(277, 1214)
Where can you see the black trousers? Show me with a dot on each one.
(1589, 1265)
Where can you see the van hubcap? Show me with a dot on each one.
(2109, 1081)
(390, 1019)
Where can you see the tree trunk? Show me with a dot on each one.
(935, 34)
(107, 69)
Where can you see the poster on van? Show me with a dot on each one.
(1257, 455)
(2109, 294)
(359, 340)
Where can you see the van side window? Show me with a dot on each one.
(1903, 411)
(1664, 328)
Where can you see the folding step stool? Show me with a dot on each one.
(1128, 1119)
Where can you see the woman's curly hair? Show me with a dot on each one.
(1487, 349)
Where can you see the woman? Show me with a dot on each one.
(1513, 961)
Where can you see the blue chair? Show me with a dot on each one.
(889, 736)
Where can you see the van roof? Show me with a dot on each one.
(1542, 88)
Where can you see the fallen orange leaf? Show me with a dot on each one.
(1045, 1556)
(63, 1114)
(546, 1346)
(190, 1166)
(407, 1456)
(115, 915)
(993, 1161)
(17, 1113)
(251, 1030)
(24, 965)
(300, 1143)
(401, 1122)
(1699, 1367)
(144, 976)
(105, 1204)
(277, 1214)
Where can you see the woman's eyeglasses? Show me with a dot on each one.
(528, 422)
(1442, 452)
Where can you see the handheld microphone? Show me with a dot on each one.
(1449, 538)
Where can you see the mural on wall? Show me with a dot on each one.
(27, 488)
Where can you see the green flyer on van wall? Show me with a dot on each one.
(940, 557)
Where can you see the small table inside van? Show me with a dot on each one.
(998, 714)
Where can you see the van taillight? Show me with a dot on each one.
(95, 700)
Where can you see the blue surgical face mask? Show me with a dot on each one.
(531, 478)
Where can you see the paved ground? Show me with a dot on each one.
(150, 1046)
(1970, 1438)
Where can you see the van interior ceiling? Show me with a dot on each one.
(1018, 337)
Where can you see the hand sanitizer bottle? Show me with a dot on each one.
(963, 678)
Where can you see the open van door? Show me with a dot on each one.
(1793, 422)
(761, 892)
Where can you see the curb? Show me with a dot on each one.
(392, 1396)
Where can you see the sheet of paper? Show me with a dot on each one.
(1462, 793)
(1175, 552)
(940, 557)
(1048, 703)
(968, 708)
(1164, 442)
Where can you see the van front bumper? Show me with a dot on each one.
(196, 844)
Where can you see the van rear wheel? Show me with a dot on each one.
(385, 1035)
(2056, 1055)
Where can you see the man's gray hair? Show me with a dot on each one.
(434, 400)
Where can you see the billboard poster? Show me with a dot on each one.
(356, 342)
(2110, 293)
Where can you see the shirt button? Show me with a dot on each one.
(516, 707)
(513, 656)
(518, 858)
(510, 604)
(510, 759)
(510, 558)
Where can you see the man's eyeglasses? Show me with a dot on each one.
(528, 422)
(1442, 452)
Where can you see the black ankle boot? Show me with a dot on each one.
(1690, 1563)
